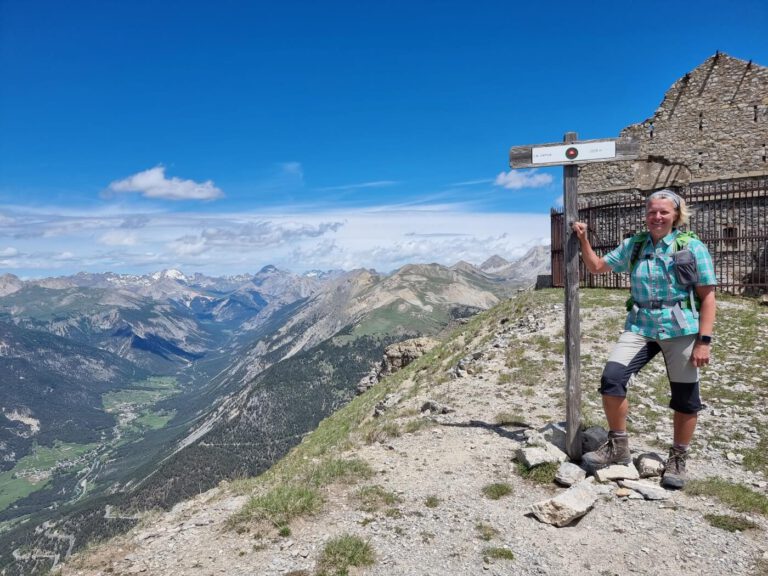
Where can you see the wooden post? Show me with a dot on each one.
(569, 156)
(572, 329)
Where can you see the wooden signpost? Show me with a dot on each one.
(570, 154)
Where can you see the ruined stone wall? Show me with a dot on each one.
(712, 124)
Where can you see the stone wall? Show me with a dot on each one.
(712, 124)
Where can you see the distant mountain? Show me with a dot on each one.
(236, 370)
(523, 271)
(9, 284)
(494, 264)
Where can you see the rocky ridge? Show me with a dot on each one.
(455, 422)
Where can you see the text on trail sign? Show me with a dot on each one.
(573, 152)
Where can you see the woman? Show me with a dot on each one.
(664, 318)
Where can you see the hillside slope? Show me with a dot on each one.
(417, 482)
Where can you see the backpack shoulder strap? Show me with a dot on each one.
(638, 241)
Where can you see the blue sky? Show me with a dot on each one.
(219, 137)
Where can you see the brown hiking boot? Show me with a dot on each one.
(674, 475)
(614, 451)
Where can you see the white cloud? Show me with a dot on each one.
(152, 183)
(8, 252)
(517, 179)
(118, 238)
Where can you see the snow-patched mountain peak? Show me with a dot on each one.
(170, 274)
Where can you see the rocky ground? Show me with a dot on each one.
(451, 428)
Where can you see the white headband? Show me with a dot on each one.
(668, 194)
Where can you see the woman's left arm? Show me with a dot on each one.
(700, 355)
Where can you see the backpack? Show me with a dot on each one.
(683, 259)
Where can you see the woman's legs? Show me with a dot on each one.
(616, 409)
(684, 427)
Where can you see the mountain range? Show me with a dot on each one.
(138, 391)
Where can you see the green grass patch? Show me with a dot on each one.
(32, 473)
(373, 498)
(154, 420)
(542, 474)
(280, 505)
(417, 424)
(497, 553)
(486, 531)
(142, 394)
(432, 501)
(347, 471)
(730, 523)
(737, 496)
(497, 490)
(342, 552)
(381, 432)
(756, 459)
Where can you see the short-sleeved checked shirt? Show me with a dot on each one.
(653, 280)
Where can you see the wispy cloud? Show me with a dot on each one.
(518, 179)
(361, 185)
(153, 183)
(473, 182)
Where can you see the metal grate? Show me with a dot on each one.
(730, 216)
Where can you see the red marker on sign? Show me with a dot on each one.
(571, 153)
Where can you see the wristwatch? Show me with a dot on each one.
(705, 338)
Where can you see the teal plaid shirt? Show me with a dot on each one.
(653, 280)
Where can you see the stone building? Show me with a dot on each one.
(711, 125)
(708, 139)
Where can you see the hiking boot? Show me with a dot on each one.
(674, 475)
(614, 451)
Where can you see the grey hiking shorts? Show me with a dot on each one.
(634, 351)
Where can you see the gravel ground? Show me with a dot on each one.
(438, 473)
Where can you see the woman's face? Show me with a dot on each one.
(660, 216)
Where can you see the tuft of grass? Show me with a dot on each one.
(497, 553)
(509, 419)
(372, 498)
(756, 459)
(342, 552)
(542, 474)
(284, 531)
(432, 501)
(417, 424)
(337, 469)
(486, 531)
(504, 378)
(382, 432)
(737, 496)
(730, 523)
(497, 490)
(280, 505)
